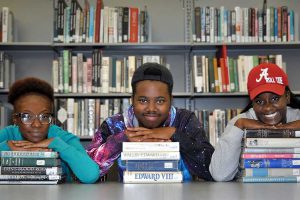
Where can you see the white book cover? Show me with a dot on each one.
(150, 146)
(152, 177)
(238, 23)
(131, 69)
(272, 142)
(70, 115)
(91, 116)
(106, 62)
(5, 24)
(150, 155)
(55, 75)
(74, 74)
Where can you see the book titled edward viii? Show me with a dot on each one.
(152, 177)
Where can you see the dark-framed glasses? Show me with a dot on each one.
(28, 118)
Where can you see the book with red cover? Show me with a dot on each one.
(134, 25)
(97, 20)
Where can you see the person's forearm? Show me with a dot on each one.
(84, 168)
(108, 152)
(225, 159)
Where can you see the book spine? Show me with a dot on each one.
(152, 177)
(270, 155)
(29, 177)
(30, 170)
(150, 146)
(271, 150)
(29, 154)
(30, 162)
(134, 25)
(272, 142)
(271, 133)
(271, 163)
(271, 172)
(19, 182)
(150, 165)
(135, 155)
(291, 179)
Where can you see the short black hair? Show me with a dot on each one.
(30, 85)
(152, 71)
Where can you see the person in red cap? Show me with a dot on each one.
(272, 105)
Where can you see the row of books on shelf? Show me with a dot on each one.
(5, 113)
(215, 121)
(83, 117)
(6, 25)
(270, 24)
(7, 70)
(74, 23)
(227, 74)
(271, 155)
(79, 73)
(151, 162)
(30, 167)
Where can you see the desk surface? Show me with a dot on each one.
(187, 191)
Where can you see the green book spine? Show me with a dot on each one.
(232, 75)
(211, 75)
(30, 162)
(66, 70)
(236, 75)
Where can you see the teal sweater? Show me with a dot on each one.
(71, 152)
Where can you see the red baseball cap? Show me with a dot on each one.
(266, 77)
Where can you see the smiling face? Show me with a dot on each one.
(151, 103)
(33, 104)
(270, 108)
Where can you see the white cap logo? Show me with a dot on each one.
(264, 74)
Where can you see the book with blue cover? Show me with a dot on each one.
(271, 163)
(152, 165)
(279, 179)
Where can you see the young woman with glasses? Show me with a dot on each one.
(32, 100)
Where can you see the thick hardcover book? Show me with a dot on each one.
(150, 155)
(30, 177)
(271, 150)
(271, 172)
(53, 182)
(30, 162)
(152, 177)
(30, 154)
(150, 146)
(271, 133)
(270, 155)
(31, 170)
(152, 165)
(280, 179)
(272, 142)
(271, 163)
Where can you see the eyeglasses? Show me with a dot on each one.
(28, 118)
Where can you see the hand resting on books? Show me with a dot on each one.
(24, 145)
(244, 123)
(141, 134)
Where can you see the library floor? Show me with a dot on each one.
(187, 191)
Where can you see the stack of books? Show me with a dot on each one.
(151, 162)
(30, 167)
(271, 155)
